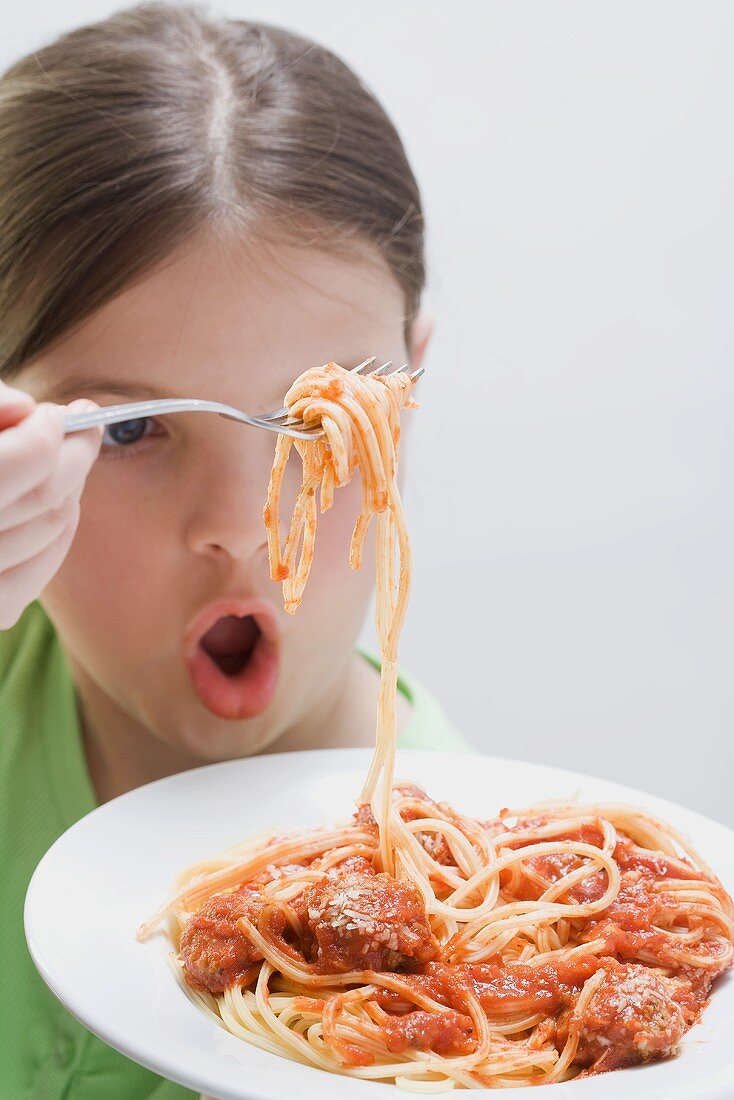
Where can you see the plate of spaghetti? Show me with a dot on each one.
(336, 922)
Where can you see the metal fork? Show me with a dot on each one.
(275, 421)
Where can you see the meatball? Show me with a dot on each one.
(214, 952)
(365, 921)
(631, 1017)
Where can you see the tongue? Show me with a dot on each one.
(230, 642)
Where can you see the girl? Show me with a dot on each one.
(188, 208)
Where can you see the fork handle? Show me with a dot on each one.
(109, 414)
(136, 410)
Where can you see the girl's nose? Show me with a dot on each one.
(226, 490)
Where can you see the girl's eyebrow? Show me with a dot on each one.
(78, 386)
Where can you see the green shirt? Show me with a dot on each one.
(45, 1054)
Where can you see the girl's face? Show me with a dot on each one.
(164, 604)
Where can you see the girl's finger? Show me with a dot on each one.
(25, 582)
(28, 451)
(15, 405)
(75, 458)
(25, 542)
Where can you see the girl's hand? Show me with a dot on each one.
(42, 475)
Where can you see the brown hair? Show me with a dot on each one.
(122, 138)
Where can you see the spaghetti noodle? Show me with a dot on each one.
(415, 944)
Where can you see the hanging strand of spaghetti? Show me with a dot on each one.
(360, 418)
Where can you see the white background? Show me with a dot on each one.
(573, 598)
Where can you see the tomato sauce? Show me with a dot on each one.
(447, 1032)
(500, 989)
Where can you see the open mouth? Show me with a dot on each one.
(231, 655)
(231, 642)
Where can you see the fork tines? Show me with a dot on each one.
(361, 368)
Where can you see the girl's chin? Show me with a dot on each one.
(205, 740)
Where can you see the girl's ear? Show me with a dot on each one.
(420, 333)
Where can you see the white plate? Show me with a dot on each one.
(113, 868)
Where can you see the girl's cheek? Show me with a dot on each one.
(337, 594)
(335, 527)
(111, 553)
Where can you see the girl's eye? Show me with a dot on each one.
(127, 433)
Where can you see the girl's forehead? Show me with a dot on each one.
(219, 316)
